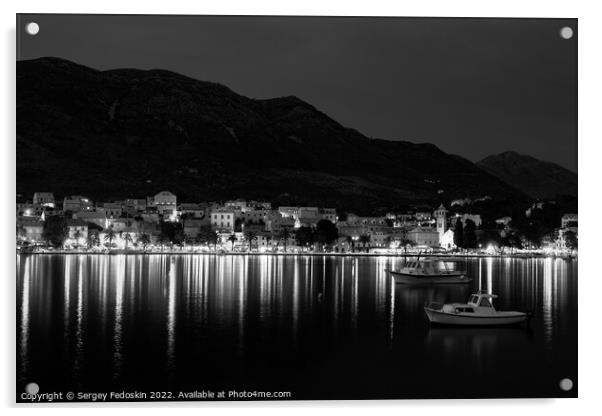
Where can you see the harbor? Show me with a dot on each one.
(304, 324)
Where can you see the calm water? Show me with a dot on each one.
(319, 327)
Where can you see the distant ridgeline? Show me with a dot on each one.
(129, 133)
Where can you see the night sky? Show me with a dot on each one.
(473, 87)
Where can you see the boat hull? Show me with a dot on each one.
(463, 319)
(409, 279)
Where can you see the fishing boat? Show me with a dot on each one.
(479, 311)
(427, 271)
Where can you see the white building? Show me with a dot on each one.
(166, 202)
(447, 240)
(441, 220)
(223, 220)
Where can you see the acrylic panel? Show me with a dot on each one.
(295, 208)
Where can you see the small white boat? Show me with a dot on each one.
(425, 271)
(479, 311)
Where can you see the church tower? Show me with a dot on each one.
(441, 217)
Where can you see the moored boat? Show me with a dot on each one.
(425, 271)
(479, 311)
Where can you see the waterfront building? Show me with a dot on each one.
(424, 236)
(223, 219)
(356, 226)
(32, 230)
(77, 232)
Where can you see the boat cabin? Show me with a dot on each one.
(425, 267)
(481, 303)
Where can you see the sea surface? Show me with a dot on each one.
(314, 327)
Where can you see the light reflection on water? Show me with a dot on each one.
(151, 320)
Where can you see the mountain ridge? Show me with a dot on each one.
(537, 178)
(129, 132)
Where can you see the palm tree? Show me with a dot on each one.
(144, 239)
(406, 243)
(351, 242)
(285, 234)
(232, 239)
(162, 239)
(127, 237)
(365, 240)
(76, 236)
(250, 236)
(110, 236)
(92, 240)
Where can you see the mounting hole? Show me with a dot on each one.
(566, 32)
(32, 388)
(566, 384)
(32, 28)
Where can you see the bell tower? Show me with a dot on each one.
(441, 218)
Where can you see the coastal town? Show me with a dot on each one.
(161, 223)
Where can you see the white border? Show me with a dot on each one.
(590, 155)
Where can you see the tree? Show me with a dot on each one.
(110, 236)
(512, 240)
(470, 234)
(365, 240)
(179, 237)
(326, 232)
(351, 241)
(232, 239)
(208, 236)
(489, 237)
(284, 235)
(92, 239)
(250, 236)
(55, 230)
(459, 234)
(304, 236)
(144, 239)
(76, 236)
(162, 239)
(127, 237)
(405, 243)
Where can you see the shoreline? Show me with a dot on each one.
(313, 254)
